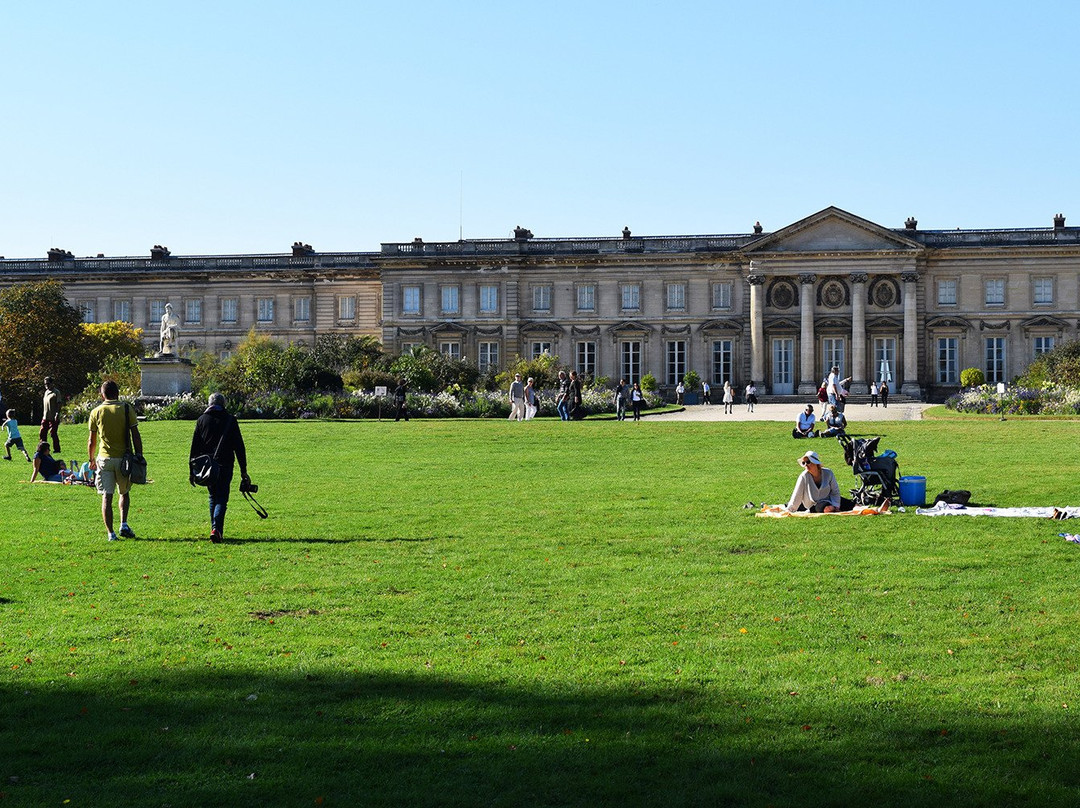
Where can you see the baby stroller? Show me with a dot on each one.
(878, 476)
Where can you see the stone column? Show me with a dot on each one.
(910, 385)
(859, 382)
(807, 383)
(757, 327)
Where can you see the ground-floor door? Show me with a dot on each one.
(783, 377)
(884, 360)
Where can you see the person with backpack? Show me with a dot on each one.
(217, 434)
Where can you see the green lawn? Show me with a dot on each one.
(491, 613)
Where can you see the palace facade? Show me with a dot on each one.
(780, 308)
(297, 296)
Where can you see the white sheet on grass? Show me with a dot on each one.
(944, 509)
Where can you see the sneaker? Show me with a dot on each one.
(113, 537)
(127, 533)
(215, 537)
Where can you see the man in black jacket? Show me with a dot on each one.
(218, 434)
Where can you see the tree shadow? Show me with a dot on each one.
(245, 738)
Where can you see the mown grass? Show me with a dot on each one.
(490, 613)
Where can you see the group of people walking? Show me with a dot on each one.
(113, 433)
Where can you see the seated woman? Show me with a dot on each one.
(836, 422)
(805, 426)
(816, 489)
(48, 468)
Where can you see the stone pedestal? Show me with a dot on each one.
(165, 376)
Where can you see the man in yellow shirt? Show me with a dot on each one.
(110, 423)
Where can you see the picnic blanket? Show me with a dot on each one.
(944, 509)
(780, 511)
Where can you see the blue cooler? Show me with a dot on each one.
(913, 491)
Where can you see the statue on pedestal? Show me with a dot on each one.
(170, 332)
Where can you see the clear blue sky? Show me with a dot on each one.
(228, 127)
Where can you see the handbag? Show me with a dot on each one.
(132, 466)
(205, 469)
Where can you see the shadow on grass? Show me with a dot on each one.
(261, 739)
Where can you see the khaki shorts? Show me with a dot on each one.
(108, 479)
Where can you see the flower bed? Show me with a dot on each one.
(1051, 399)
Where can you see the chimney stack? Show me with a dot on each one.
(58, 256)
(159, 253)
(757, 228)
(1059, 221)
(911, 223)
(301, 250)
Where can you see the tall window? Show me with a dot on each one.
(346, 307)
(489, 299)
(488, 358)
(946, 292)
(302, 309)
(1043, 291)
(722, 362)
(540, 347)
(451, 303)
(630, 355)
(586, 297)
(264, 308)
(995, 359)
(995, 292)
(947, 371)
(157, 310)
(586, 359)
(542, 298)
(121, 310)
(451, 350)
(631, 296)
(1043, 345)
(833, 348)
(88, 310)
(228, 309)
(410, 299)
(676, 360)
(676, 297)
(193, 311)
(721, 295)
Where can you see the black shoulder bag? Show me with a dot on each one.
(205, 469)
(132, 466)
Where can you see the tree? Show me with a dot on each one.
(41, 335)
(347, 352)
(113, 339)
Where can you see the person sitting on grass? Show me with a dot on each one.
(836, 423)
(47, 467)
(805, 426)
(816, 490)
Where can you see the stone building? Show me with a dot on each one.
(781, 307)
(912, 306)
(297, 296)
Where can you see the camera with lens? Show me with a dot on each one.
(248, 487)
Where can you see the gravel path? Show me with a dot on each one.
(856, 413)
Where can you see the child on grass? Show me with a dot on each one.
(14, 438)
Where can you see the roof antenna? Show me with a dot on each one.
(461, 206)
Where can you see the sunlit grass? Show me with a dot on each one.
(483, 612)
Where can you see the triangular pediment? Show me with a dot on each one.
(829, 231)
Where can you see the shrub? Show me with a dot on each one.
(648, 383)
(692, 381)
(1059, 366)
(972, 377)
